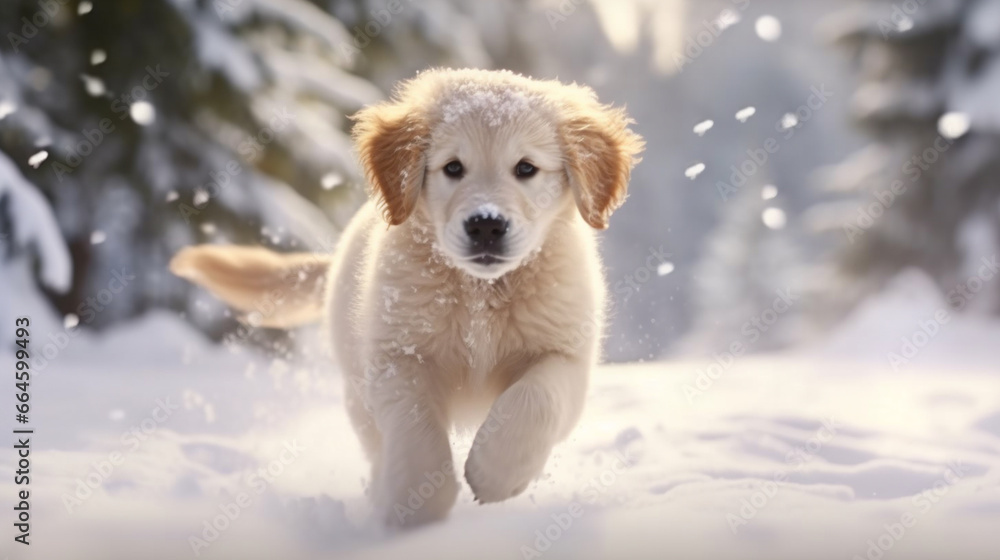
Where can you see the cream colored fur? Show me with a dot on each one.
(428, 339)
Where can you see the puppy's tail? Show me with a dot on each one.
(272, 289)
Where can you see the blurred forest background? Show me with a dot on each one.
(848, 141)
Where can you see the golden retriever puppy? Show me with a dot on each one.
(469, 291)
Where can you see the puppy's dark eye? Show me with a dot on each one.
(454, 169)
(524, 170)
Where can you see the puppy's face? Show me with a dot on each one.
(494, 180)
(493, 159)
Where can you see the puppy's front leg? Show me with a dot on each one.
(531, 416)
(415, 481)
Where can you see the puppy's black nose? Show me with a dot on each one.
(486, 232)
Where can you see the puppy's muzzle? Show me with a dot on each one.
(486, 237)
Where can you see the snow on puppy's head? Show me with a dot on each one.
(493, 158)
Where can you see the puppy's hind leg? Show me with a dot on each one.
(525, 422)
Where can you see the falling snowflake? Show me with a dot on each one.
(84, 8)
(201, 197)
(331, 180)
(774, 218)
(71, 320)
(789, 120)
(94, 86)
(665, 268)
(768, 28)
(37, 159)
(694, 170)
(954, 125)
(727, 18)
(97, 237)
(142, 112)
(704, 126)
(744, 114)
(6, 108)
(97, 56)
(769, 192)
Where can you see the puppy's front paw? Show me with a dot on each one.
(498, 469)
(416, 498)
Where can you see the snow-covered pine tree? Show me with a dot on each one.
(926, 192)
(171, 122)
(147, 126)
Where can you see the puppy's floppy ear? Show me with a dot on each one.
(391, 139)
(600, 153)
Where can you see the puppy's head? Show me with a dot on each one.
(492, 159)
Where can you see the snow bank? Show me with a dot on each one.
(912, 325)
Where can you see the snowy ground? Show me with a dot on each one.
(806, 455)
